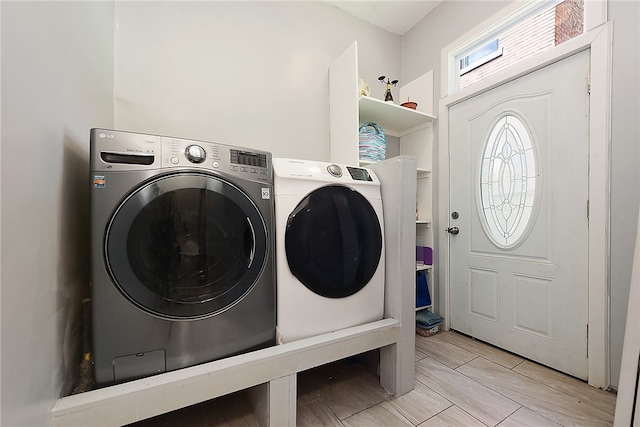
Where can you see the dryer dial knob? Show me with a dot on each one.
(195, 154)
(334, 170)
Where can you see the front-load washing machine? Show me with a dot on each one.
(182, 253)
(329, 246)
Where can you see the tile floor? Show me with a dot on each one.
(459, 382)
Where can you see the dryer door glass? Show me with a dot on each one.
(186, 245)
(333, 241)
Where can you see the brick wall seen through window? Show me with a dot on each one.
(546, 30)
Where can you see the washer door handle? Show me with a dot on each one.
(251, 242)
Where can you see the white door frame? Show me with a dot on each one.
(598, 40)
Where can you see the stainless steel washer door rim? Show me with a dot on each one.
(186, 245)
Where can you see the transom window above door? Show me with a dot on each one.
(536, 27)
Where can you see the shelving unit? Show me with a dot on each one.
(414, 128)
(424, 231)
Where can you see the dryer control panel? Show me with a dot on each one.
(359, 174)
(324, 172)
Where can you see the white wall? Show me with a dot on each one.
(57, 82)
(625, 164)
(421, 50)
(248, 73)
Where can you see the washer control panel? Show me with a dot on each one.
(223, 158)
(119, 150)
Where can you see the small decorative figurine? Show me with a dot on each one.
(387, 96)
(363, 87)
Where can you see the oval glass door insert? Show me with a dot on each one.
(508, 182)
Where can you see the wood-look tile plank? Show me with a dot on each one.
(310, 383)
(489, 352)
(452, 417)
(525, 417)
(420, 355)
(191, 415)
(442, 351)
(546, 401)
(316, 413)
(572, 386)
(313, 381)
(420, 404)
(351, 390)
(474, 398)
(233, 410)
(380, 415)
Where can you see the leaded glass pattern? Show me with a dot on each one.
(507, 181)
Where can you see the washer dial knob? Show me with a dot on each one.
(195, 154)
(334, 170)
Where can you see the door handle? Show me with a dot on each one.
(453, 230)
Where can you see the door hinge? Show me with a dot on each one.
(589, 84)
(587, 209)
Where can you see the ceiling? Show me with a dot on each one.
(397, 16)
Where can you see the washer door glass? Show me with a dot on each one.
(186, 245)
(333, 241)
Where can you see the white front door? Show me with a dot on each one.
(519, 198)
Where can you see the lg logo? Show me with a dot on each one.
(106, 135)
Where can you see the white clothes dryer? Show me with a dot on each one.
(329, 247)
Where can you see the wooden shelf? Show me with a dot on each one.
(427, 307)
(423, 267)
(393, 118)
(423, 222)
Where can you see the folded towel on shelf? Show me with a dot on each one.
(426, 319)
